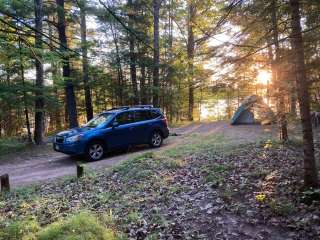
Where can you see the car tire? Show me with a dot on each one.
(95, 151)
(156, 139)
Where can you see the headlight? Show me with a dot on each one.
(75, 138)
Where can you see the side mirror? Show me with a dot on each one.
(115, 124)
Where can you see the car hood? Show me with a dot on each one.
(74, 131)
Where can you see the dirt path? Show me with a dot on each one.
(44, 164)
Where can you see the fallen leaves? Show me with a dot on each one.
(251, 193)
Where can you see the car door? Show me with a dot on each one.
(141, 125)
(120, 136)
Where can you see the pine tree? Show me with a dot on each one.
(156, 53)
(310, 169)
(85, 64)
(71, 105)
(39, 100)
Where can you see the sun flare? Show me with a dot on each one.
(263, 77)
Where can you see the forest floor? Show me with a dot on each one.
(37, 164)
(216, 182)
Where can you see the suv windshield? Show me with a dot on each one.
(98, 120)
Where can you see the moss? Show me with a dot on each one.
(83, 226)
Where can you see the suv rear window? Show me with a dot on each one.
(124, 118)
(141, 116)
(154, 114)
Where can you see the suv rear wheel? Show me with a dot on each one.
(95, 151)
(156, 139)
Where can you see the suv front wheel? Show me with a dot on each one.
(156, 139)
(95, 151)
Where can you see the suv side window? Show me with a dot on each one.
(124, 118)
(154, 114)
(141, 116)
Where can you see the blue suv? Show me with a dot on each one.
(115, 128)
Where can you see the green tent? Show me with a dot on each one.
(253, 110)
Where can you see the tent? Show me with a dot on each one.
(253, 110)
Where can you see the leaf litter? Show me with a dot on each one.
(253, 192)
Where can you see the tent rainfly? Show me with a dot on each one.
(253, 110)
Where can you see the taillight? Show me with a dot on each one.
(164, 120)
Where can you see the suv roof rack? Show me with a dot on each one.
(128, 107)
(118, 108)
(142, 106)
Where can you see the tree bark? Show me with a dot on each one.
(39, 99)
(279, 79)
(26, 112)
(293, 97)
(69, 89)
(119, 67)
(85, 64)
(190, 52)
(143, 92)
(133, 68)
(293, 87)
(156, 54)
(55, 73)
(310, 170)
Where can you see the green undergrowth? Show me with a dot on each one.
(8, 145)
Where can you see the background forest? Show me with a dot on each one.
(63, 61)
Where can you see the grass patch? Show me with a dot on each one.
(282, 207)
(82, 226)
(133, 217)
(214, 174)
(138, 168)
(78, 227)
(196, 143)
(174, 164)
(17, 229)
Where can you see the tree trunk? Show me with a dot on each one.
(149, 89)
(156, 53)
(69, 89)
(85, 64)
(293, 98)
(190, 51)
(55, 73)
(143, 91)
(310, 170)
(39, 99)
(26, 112)
(119, 67)
(279, 79)
(133, 69)
(170, 59)
(293, 87)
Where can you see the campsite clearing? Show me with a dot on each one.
(28, 167)
(226, 183)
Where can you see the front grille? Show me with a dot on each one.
(59, 139)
